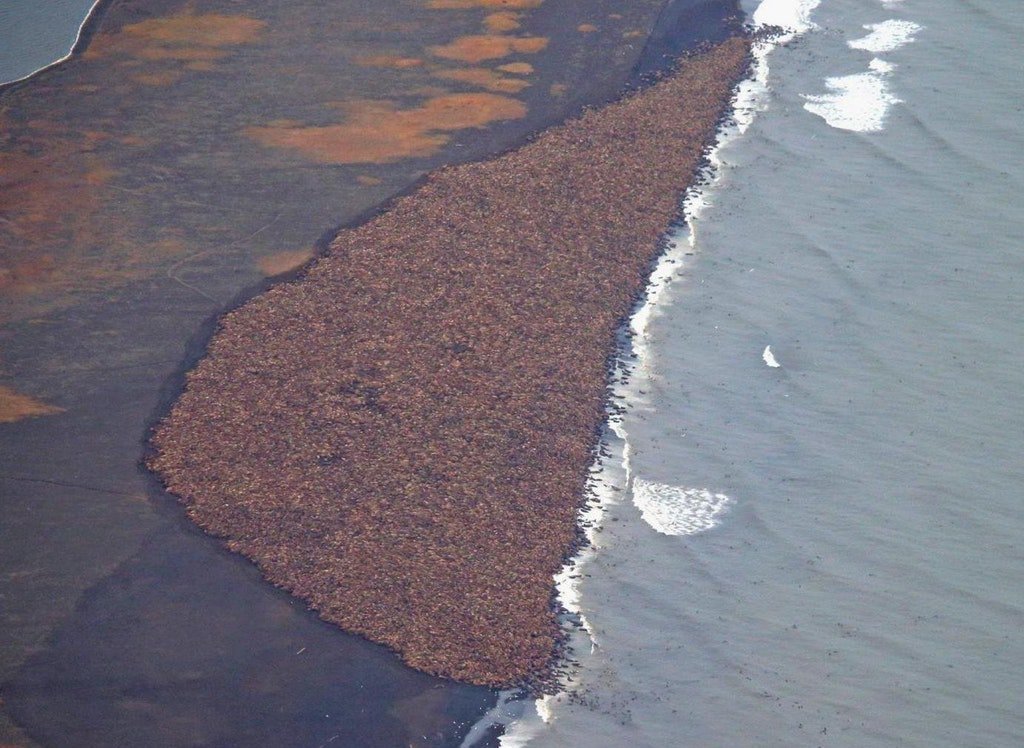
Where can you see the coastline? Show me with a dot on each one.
(251, 481)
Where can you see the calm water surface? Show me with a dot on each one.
(37, 33)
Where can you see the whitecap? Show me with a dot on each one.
(675, 510)
(886, 36)
(794, 15)
(858, 102)
(769, 357)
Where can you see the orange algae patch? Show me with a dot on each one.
(197, 30)
(558, 89)
(197, 39)
(586, 28)
(502, 21)
(369, 181)
(485, 79)
(517, 68)
(22, 275)
(477, 48)
(164, 78)
(60, 231)
(282, 262)
(468, 4)
(15, 407)
(46, 198)
(378, 132)
(389, 61)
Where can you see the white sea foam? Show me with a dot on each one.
(794, 15)
(858, 102)
(674, 510)
(769, 357)
(886, 36)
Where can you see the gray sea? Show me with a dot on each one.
(820, 544)
(34, 35)
(811, 517)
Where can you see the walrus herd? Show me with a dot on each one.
(401, 435)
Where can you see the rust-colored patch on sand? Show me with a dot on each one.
(368, 180)
(26, 273)
(402, 437)
(389, 61)
(187, 37)
(15, 407)
(484, 78)
(468, 4)
(586, 28)
(557, 89)
(283, 262)
(502, 21)
(480, 47)
(517, 68)
(49, 194)
(197, 30)
(161, 78)
(379, 132)
(65, 222)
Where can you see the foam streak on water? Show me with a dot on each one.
(861, 102)
(886, 36)
(858, 102)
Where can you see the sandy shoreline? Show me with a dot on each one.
(401, 436)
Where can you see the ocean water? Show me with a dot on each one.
(36, 34)
(813, 512)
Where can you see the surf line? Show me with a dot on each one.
(775, 23)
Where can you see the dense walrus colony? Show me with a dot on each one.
(401, 437)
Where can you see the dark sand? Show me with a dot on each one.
(401, 436)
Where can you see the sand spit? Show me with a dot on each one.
(401, 436)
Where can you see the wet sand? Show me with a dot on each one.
(401, 436)
(141, 210)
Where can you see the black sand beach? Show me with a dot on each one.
(143, 208)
